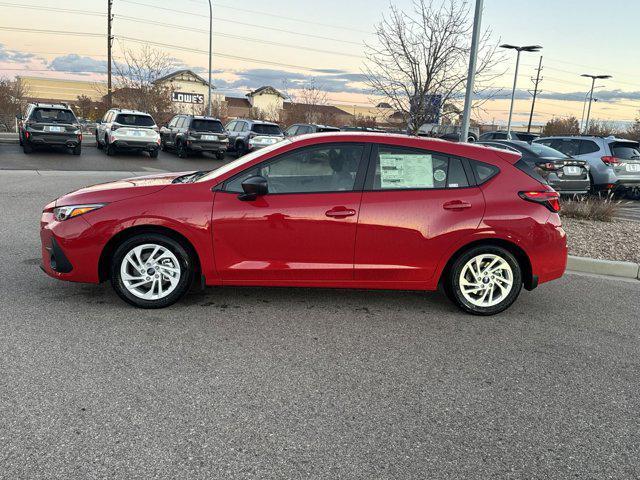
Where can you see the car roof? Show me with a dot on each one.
(203, 117)
(468, 150)
(53, 106)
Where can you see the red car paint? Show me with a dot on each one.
(399, 239)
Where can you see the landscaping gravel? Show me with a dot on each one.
(617, 240)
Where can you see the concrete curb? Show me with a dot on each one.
(604, 267)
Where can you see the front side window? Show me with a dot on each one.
(568, 147)
(407, 169)
(173, 122)
(291, 131)
(330, 168)
(544, 151)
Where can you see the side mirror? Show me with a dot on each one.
(19, 116)
(253, 188)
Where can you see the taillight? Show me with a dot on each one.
(549, 199)
(611, 161)
(548, 166)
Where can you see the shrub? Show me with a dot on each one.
(602, 209)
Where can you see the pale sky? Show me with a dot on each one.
(578, 36)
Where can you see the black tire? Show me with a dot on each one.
(163, 146)
(154, 153)
(187, 266)
(77, 150)
(181, 150)
(241, 149)
(452, 282)
(98, 144)
(26, 148)
(20, 139)
(108, 148)
(219, 155)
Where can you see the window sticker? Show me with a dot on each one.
(406, 171)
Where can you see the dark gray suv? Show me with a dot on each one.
(248, 135)
(49, 125)
(186, 134)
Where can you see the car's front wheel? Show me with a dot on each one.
(484, 280)
(151, 271)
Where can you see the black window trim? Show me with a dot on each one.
(371, 169)
(357, 186)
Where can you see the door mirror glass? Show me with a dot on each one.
(253, 188)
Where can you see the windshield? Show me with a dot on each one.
(264, 129)
(544, 151)
(626, 151)
(53, 115)
(131, 120)
(207, 126)
(242, 160)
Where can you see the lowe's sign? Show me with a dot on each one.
(181, 97)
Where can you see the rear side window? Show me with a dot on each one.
(133, 120)
(625, 151)
(483, 171)
(588, 146)
(407, 169)
(263, 129)
(207, 126)
(53, 115)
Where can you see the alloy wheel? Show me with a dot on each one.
(150, 271)
(486, 280)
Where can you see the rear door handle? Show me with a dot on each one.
(456, 205)
(340, 212)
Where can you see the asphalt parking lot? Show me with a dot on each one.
(286, 383)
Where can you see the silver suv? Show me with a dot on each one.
(129, 130)
(614, 162)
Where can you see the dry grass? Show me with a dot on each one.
(602, 209)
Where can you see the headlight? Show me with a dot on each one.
(65, 213)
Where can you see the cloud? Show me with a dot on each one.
(602, 95)
(335, 81)
(78, 64)
(14, 56)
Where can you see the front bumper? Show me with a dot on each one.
(50, 139)
(70, 250)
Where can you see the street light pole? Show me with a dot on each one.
(526, 48)
(593, 83)
(475, 39)
(210, 51)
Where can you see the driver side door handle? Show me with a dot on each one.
(456, 205)
(340, 212)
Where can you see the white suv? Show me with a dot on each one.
(128, 130)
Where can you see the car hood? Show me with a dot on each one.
(119, 190)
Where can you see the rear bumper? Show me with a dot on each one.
(549, 261)
(43, 139)
(198, 146)
(135, 145)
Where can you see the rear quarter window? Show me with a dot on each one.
(483, 171)
(588, 146)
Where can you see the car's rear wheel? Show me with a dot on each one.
(484, 280)
(219, 155)
(151, 271)
(154, 153)
(241, 149)
(182, 150)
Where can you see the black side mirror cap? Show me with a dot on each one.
(254, 187)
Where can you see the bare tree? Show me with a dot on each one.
(424, 53)
(603, 128)
(136, 85)
(562, 126)
(308, 105)
(633, 132)
(13, 100)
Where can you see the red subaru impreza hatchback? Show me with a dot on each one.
(350, 210)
